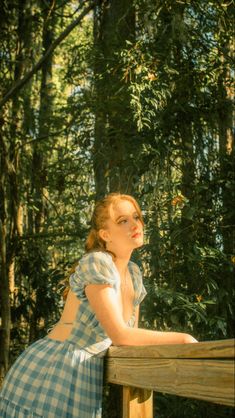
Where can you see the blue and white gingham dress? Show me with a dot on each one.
(54, 379)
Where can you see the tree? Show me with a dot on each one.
(116, 143)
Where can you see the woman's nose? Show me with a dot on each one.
(134, 224)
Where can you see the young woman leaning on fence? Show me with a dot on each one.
(61, 374)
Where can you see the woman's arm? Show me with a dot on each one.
(104, 302)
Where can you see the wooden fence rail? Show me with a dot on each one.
(202, 371)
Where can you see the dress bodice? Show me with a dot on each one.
(98, 268)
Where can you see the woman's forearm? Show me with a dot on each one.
(139, 336)
(104, 303)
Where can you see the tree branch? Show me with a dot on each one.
(21, 82)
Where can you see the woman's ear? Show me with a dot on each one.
(104, 235)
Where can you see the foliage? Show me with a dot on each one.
(170, 407)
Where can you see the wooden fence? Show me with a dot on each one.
(202, 371)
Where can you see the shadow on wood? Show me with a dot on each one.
(201, 371)
(137, 403)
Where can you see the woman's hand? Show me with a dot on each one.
(189, 339)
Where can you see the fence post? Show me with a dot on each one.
(137, 403)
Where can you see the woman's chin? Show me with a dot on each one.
(138, 244)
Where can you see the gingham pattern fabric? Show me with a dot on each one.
(53, 379)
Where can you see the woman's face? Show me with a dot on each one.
(124, 230)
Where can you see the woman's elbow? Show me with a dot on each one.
(120, 336)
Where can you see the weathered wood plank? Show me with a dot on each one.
(207, 379)
(205, 349)
(137, 403)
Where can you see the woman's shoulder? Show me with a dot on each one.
(96, 256)
(96, 260)
(95, 267)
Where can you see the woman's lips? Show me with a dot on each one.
(136, 235)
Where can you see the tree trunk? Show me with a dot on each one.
(227, 158)
(116, 146)
(11, 221)
(4, 286)
(40, 156)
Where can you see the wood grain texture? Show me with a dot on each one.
(207, 379)
(137, 403)
(205, 349)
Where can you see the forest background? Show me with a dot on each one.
(132, 96)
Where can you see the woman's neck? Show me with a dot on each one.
(121, 263)
(121, 259)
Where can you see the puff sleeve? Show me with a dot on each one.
(93, 268)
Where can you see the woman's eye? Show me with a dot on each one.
(123, 221)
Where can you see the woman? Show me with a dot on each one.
(61, 374)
